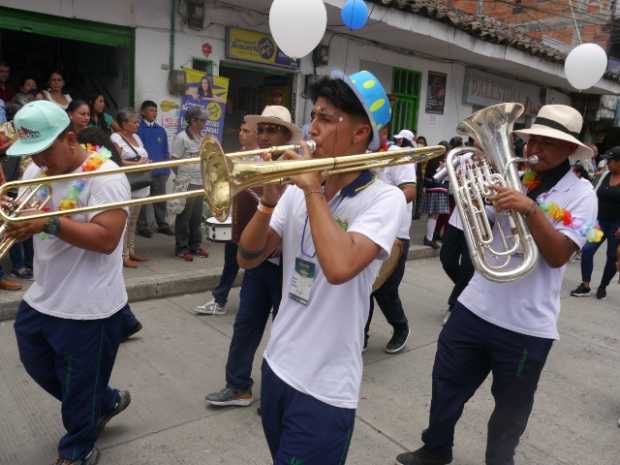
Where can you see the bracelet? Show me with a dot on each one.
(264, 209)
(308, 194)
(530, 210)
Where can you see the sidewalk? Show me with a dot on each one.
(164, 275)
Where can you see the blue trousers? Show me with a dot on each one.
(22, 254)
(469, 348)
(587, 254)
(229, 274)
(72, 360)
(301, 429)
(261, 291)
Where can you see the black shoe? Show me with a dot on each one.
(137, 327)
(432, 244)
(89, 459)
(124, 399)
(581, 291)
(145, 233)
(423, 456)
(165, 230)
(399, 340)
(601, 293)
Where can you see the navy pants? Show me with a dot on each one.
(387, 296)
(261, 291)
(229, 274)
(22, 254)
(468, 349)
(72, 360)
(301, 429)
(456, 262)
(587, 254)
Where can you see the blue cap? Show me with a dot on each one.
(374, 99)
(37, 124)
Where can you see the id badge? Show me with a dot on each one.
(302, 281)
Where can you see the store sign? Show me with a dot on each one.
(484, 89)
(256, 47)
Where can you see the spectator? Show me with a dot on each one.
(608, 193)
(405, 138)
(55, 91)
(132, 152)
(6, 89)
(436, 198)
(98, 116)
(26, 94)
(156, 143)
(421, 141)
(187, 227)
(79, 114)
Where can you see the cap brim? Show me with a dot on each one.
(583, 152)
(296, 133)
(22, 148)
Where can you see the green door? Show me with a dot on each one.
(406, 90)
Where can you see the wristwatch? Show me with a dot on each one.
(52, 226)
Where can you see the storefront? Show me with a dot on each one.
(92, 57)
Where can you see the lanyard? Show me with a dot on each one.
(303, 234)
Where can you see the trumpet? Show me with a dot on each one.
(225, 175)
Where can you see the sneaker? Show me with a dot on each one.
(185, 255)
(89, 459)
(145, 233)
(601, 293)
(398, 341)
(137, 327)
(365, 347)
(10, 285)
(210, 308)
(124, 399)
(229, 396)
(432, 244)
(581, 291)
(23, 273)
(200, 252)
(423, 456)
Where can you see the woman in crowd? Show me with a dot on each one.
(26, 94)
(608, 193)
(187, 226)
(55, 92)
(436, 198)
(419, 172)
(79, 114)
(132, 152)
(98, 116)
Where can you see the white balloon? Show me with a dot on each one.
(585, 65)
(297, 25)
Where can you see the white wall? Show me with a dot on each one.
(350, 55)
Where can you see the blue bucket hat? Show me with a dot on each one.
(371, 94)
(37, 124)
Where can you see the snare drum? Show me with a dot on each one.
(218, 231)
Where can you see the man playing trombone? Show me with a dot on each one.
(70, 323)
(333, 234)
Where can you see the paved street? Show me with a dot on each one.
(179, 357)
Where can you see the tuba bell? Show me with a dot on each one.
(502, 250)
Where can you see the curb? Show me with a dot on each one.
(171, 285)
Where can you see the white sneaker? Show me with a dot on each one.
(210, 308)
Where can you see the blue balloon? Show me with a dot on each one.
(354, 14)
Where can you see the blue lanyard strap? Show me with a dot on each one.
(303, 234)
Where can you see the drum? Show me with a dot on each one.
(219, 232)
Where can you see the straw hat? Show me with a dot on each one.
(276, 114)
(559, 122)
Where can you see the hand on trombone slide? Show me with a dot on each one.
(23, 231)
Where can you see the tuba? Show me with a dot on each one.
(506, 251)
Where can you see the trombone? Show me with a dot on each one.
(223, 176)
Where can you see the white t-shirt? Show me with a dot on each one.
(74, 283)
(399, 175)
(185, 147)
(49, 97)
(531, 305)
(317, 348)
(129, 153)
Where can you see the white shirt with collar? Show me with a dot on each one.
(531, 305)
(317, 348)
(398, 176)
